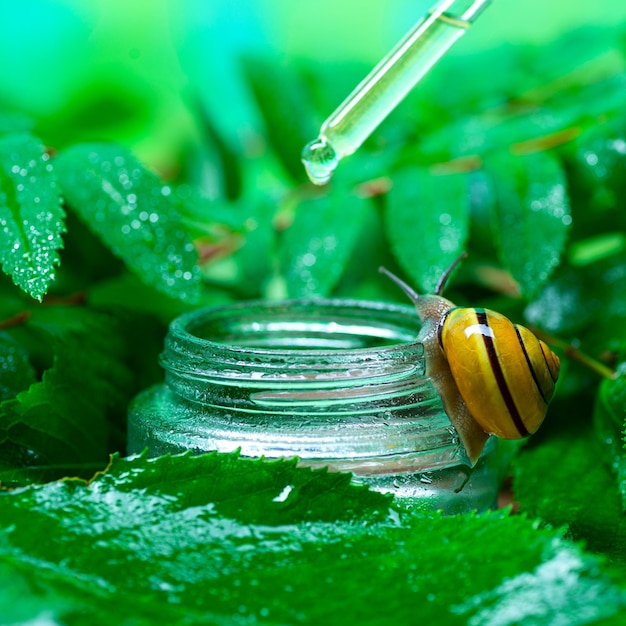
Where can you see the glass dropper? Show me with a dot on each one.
(387, 85)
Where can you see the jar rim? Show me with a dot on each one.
(181, 328)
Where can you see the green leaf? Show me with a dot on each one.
(16, 372)
(578, 297)
(31, 216)
(128, 292)
(133, 213)
(532, 215)
(285, 105)
(319, 243)
(16, 585)
(249, 490)
(362, 279)
(202, 214)
(228, 161)
(563, 305)
(427, 222)
(610, 425)
(547, 115)
(14, 122)
(566, 480)
(597, 160)
(240, 249)
(222, 540)
(15, 471)
(65, 418)
(592, 101)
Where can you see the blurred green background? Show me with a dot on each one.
(134, 70)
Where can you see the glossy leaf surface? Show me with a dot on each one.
(133, 213)
(31, 216)
(16, 371)
(318, 244)
(63, 418)
(225, 540)
(427, 222)
(610, 426)
(532, 215)
(590, 508)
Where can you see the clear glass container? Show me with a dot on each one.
(336, 383)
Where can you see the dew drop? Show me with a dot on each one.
(320, 161)
(309, 259)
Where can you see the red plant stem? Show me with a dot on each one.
(77, 298)
(15, 320)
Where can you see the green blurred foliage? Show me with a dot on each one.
(130, 71)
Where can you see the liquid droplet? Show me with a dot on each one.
(320, 161)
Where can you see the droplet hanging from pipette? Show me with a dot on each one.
(320, 160)
(388, 84)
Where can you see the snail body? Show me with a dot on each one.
(493, 376)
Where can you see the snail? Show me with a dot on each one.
(494, 377)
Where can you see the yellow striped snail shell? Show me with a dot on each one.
(493, 376)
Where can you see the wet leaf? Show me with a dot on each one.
(610, 425)
(567, 480)
(133, 213)
(64, 418)
(254, 259)
(563, 305)
(597, 160)
(532, 215)
(16, 371)
(222, 540)
(427, 222)
(587, 302)
(31, 217)
(318, 244)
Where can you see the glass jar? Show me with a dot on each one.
(336, 383)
